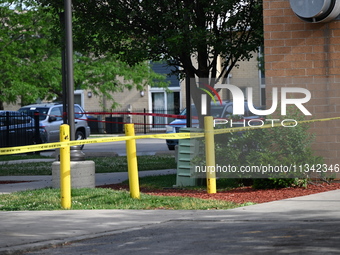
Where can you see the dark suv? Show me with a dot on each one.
(51, 117)
(16, 129)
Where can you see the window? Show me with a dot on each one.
(164, 103)
(78, 112)
(79, 97)
(57, 112)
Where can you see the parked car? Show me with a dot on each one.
(218, 111)
(16, 129)
(51, 117)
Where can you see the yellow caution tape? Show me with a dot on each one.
(238, 129)
(49, 146)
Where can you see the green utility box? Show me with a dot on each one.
(186, 150)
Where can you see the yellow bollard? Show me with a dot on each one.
(132, 161)
(65, 168)
(210, 153)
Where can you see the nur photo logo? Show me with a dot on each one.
(204, 97)
(239, 99)
(239, 102)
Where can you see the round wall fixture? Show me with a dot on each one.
(316, 10)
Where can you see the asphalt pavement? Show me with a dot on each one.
(302, 225)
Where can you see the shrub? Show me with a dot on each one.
(278, 146)
(277, 183)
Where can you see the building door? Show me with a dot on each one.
(164, 103)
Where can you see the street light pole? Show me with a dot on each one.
(69, 67)
(63, 66)
(188, 99)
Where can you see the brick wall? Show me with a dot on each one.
(301, 54)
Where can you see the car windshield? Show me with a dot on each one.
(30, 112)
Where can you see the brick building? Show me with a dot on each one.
(300, 53)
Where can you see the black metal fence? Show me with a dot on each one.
(17, 129)
(144, 120)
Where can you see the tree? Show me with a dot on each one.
(21, 58)
(101, 75)
(30, 58)
(191, 34)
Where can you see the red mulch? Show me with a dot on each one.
(238, 195)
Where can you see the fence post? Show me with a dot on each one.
(132, 161)
(37, 138)
(7, 123)
(65, 168)
(210, 153)
(144, 121)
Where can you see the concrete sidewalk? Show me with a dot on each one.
(303, 225)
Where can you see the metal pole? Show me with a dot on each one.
(37, 138)
(65, 168)
(188, 99)
(63, 66)
(69, 66)
(64, 85)
(210, 153)
(131, 154)
(144, 121)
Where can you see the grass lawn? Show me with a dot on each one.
(102, 198)
(103, 164)
(20, 157)
(98, 198)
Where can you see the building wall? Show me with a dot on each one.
(301, 54)
(11, 107)
(247, 75)
(126, 99)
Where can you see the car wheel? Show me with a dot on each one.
(80, 136)
(171, 147)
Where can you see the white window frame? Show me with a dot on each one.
(164, 91)
(82, 98)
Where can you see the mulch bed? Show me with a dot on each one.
(237, 195)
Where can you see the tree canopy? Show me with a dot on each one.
(25, 54)
(174, 31)
(190, 34)
(30, 59)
